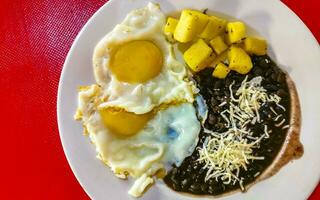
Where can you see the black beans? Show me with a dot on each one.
(219, 126)
(271, 87)
(212, 119)
(264, 113)
(281, 78)
(190, 176)
(174, 180)
(202, 171)
(216, 109)
(174, 172)
(282, 93)
(193, 176)
(263, 64)
(214, 102)
(257, 71)
(216, 92)
(274, 76)
(226, 93)
(217, 85)
(195, 188)
(185, 183)
(228, 81)
(176, 187)
(211, 189)
(196, 167)
(268, 73)
(204, 187)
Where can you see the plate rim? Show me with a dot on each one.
(67, 60)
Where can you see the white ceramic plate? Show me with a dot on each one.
(293, 47)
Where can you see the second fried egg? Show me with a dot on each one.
(166, 137)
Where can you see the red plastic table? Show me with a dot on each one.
(35, 37)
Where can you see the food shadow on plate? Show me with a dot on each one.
(263, 20)
(231, 6)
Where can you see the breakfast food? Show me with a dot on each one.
(194, 101)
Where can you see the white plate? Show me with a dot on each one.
(293, 47)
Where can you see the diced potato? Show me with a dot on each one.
(220, 71)
(214, 27)
(218, 45)
(170, 25)
(236, 31)
(184, 46)
(239, 60)
(198, 56)
(255, 46)
(226, 40)
(209, 61)
(225, 37)
(191, 24)
(223, 57)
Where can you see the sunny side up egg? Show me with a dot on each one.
(166, 139)
(136, 65)
(139, 115)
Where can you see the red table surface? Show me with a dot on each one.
(35, 37)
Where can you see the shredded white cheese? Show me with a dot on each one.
(224, 154)
(280, 123)
(278, 117)
(286, 126)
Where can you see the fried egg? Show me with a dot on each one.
(169, 137)
(139, 114)
(136, 66)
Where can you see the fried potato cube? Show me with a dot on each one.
(220, 71)
(214, 27)
(223, 57)
(239, 60)
(198, 56)
(218, 45)
(255, 46)
(191, 23)
(236, 31)
(184, 46)
(170, 25)
(210, 60)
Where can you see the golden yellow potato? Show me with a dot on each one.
(191, 24)
(218, 45)
(223, 57)
(236, 32)
(184, 46)
(255, 46)
(214, 27)
(198, 56)
(220, 71)
(239, 60)
(170, 25)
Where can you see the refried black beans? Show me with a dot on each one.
(190, 176)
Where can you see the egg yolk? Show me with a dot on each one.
(136, 61)
(124, 123)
